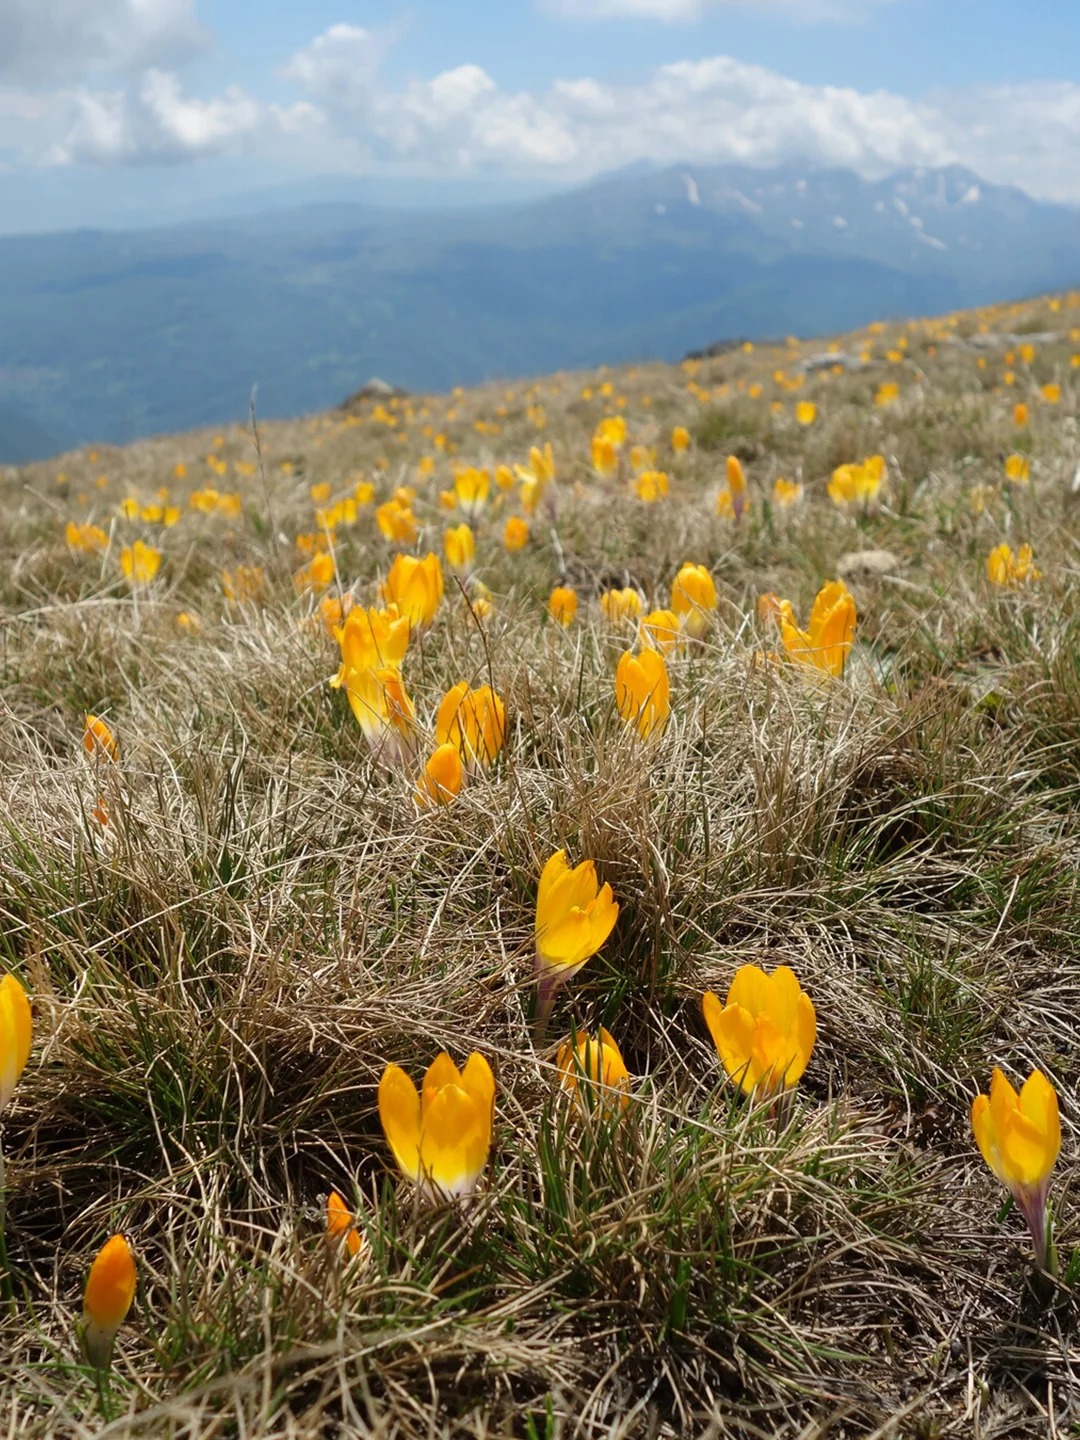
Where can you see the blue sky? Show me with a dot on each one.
(125, 110)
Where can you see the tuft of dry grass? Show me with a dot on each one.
(220, 974)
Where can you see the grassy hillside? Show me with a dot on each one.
(232, 928)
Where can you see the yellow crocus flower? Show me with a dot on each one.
(415, 587)
(620, 605)
(693, 598)
(642, 691)
(139, 563)
(574, 917)
(110, 1289)
(593, 1068)
(440, 1136)
(341, 1231)
(16, 1035)
(826, 643)
(442, 778)
(765, 1033)
(1019, 1136)
(474, 721)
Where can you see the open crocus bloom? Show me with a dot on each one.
(474, 721)
(372, 639)
(16, 1033)
(765, 1033)
(110, 1289)
(585, 1063)
(826, 643)
(642, 691)
(440, 1135)
(574, 917)
(1019, 1136)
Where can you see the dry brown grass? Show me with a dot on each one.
(220, 977)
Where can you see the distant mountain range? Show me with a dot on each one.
(105, 336)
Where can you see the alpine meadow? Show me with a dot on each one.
(553, 909)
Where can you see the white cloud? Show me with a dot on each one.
(704, 110)
(700, 111)
(48, 40)
(156, 124)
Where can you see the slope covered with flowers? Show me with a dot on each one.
(554, 909)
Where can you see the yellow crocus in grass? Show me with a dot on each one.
(139, 563)
(459, 544)
(472, 720)
(1008, 570)
(85, 539)
(765, 1032)
(471, 488)
(660, 630)
(415, 587)
(593, 1070)
(680, 439)
(516, 533)
(1020, 415)
(613, 430)
(1018, 469)
(736, 489)
(440, 1135)
(373, 644)
(887, 393)
(693, 598)
(605, 456)
(442, 777)
(317, 575)
(858, 484)
(245, 585)
(786, 493)
(342, 1234)
(540, 471)
(575, 914)
(1051, 394)
(373, 639)
(620, 605)
(642, 691)
(1019, 1136)
(110, 1289)
(826, 642)
(16, 1034)
(396, 522)
(332, 612)
(806, 412)
(381, 706)
(98, 740)
(562, 605)
(651, 486)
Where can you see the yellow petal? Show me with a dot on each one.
(16, 1034)
(399, 1112)
(110, 1289)
(455, 1141)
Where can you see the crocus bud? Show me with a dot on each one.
(110, 1289)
